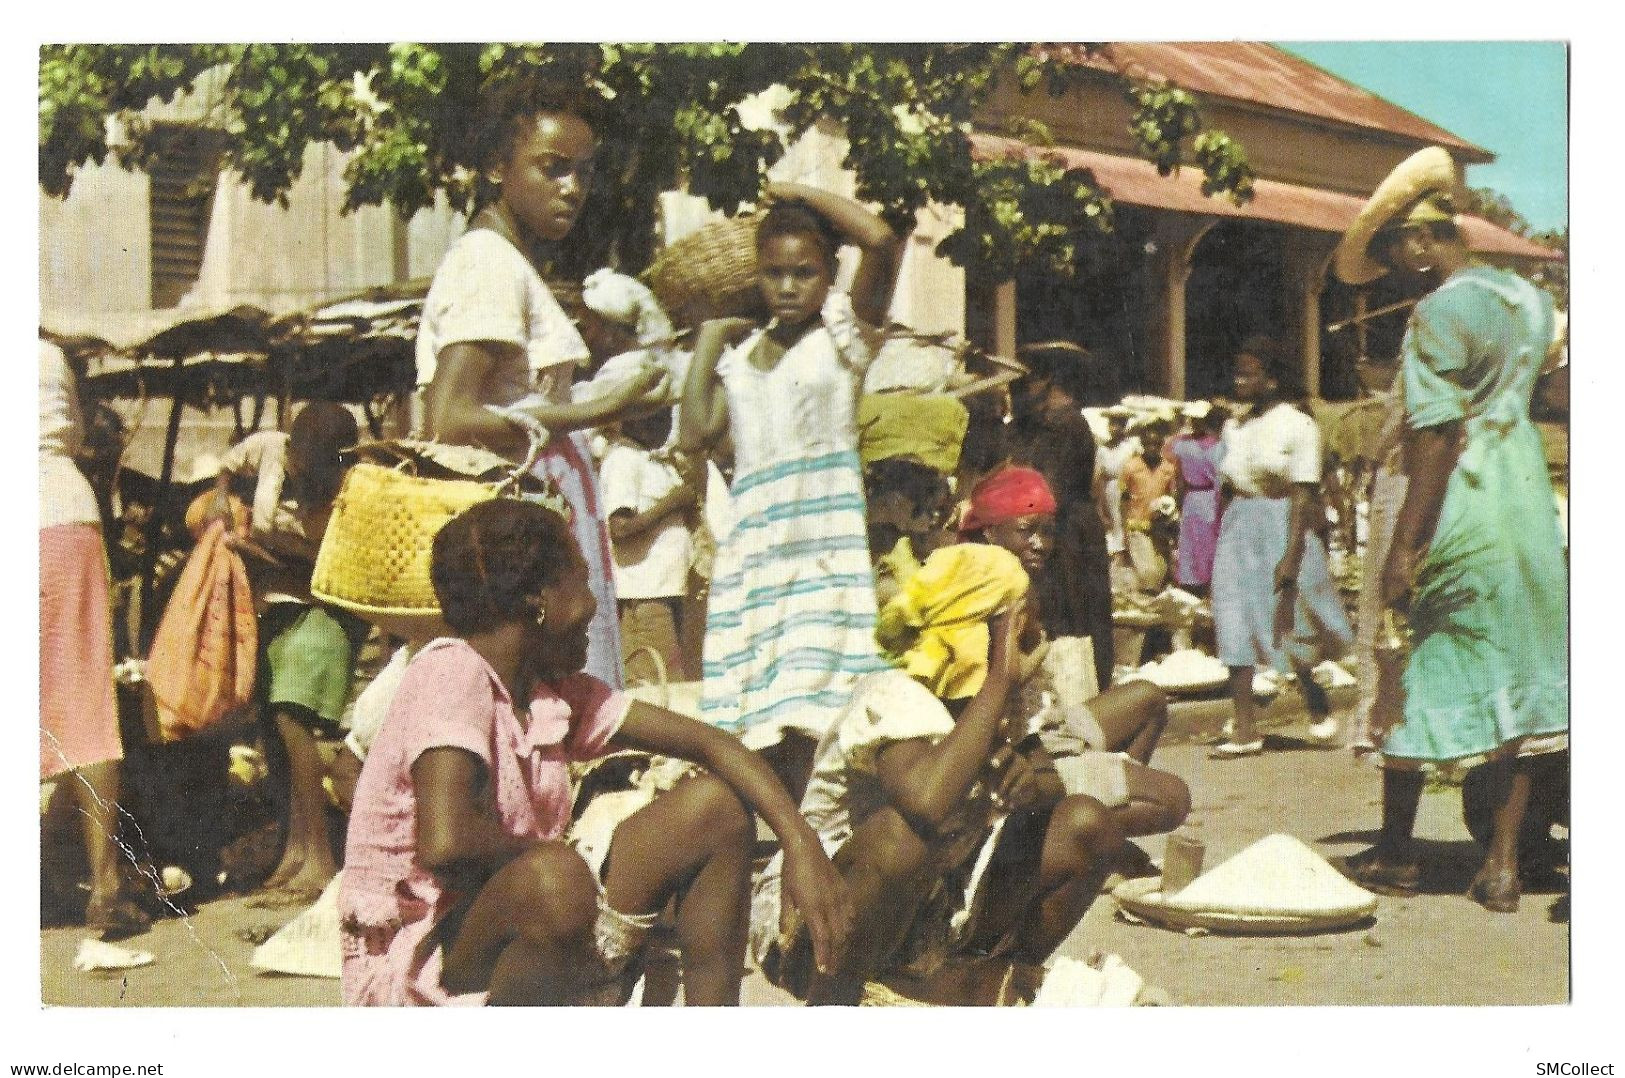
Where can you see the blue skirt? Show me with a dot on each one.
(1252, 539)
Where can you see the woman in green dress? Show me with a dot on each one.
(1476, 561)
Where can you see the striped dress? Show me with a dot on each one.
(791, 621)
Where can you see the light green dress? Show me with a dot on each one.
(1488, 672)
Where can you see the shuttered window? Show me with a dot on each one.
(183, 180)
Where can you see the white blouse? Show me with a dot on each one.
(65, 496)
(1266, 455)
(486, 290)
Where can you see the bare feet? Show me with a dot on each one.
(115, 916)
(301, 873)
(971, 982)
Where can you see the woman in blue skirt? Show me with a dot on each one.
(1273, 599)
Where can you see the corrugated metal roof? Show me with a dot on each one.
(1135, 181)
(1265, 75)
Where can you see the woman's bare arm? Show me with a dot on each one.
(1430, 456)
(625, 524)
(926, 783)
(455, 826)
(455, 402)
(705, 404)
(810, 881)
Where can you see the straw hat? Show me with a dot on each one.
(1196, 409)
(1038, 347)
(1404, 193)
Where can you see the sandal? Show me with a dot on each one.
(1234, 750)
(1325, 731)
(1497, 898)
(1381, 877)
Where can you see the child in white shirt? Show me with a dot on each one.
(648, 503)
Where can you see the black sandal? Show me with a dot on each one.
(1370, 871)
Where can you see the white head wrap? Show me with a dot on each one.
(626, 302)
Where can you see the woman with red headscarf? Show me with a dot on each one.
(1102, 747)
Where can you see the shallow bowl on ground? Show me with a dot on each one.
(1143, 899)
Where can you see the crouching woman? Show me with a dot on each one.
(459, 887)
(966, 861)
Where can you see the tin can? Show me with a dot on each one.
(1181, 861)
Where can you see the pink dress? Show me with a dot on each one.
(78, 713)
(450, 697)
(1199, 515)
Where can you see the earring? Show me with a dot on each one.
(541, 616)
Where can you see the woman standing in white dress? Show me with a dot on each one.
(791, 620)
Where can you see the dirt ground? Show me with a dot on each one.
(1438, 948)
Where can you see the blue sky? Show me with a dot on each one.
(1510, 97)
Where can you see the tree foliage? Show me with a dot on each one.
(1496, 208)
(405, 111)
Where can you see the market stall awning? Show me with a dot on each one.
(1135, 181)
(167, 333)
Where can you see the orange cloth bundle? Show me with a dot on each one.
(201, 666)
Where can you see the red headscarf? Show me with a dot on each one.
(1008, 494)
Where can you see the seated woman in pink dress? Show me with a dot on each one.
(460, 887)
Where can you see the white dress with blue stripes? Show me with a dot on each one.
(791, 621)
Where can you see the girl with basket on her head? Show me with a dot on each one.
(495, 351)
(458, 886)
(790, 626)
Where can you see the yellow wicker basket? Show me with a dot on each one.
(715, 266)
(374, 559)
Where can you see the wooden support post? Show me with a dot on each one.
(1176, 238)
(1004, 319)
(1308, 259)
(154, 531)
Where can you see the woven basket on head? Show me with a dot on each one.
(715, 265)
